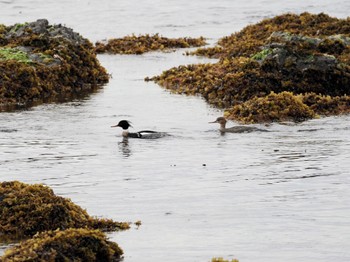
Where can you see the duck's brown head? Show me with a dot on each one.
(221, 120)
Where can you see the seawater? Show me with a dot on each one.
(277, 196)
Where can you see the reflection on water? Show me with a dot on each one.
(124, 147)
(271, 196)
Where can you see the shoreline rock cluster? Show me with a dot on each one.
(54, 226)
(65, 245)
(287, 68)
(40, 62)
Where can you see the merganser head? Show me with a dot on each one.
(220, 120)
(123, 124)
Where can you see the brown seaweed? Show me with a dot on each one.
(282, 107)
(68, 245)
(28, 209)
(41, 62)
(220, 259)
(305, 56)
(146, 43)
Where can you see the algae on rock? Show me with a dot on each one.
(304, 55)
(41, 63)
(249, 40)
(274, 107)
(146, 43)
(28, 209)
(67, 245)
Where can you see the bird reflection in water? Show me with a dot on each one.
(124, 147)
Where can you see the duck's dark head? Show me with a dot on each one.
(123, 124)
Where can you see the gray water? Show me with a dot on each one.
(276, 196)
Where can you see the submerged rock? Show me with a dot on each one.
(68, 245)
(296, 56)
(28, 209)
(40, 62)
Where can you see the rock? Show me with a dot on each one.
(341, 38)
(40, 62)
(28, 209)
(42, 27)
(291, 58)
(65, 245)
(286, 37)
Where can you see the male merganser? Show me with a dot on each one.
(235, 129)
(145, 134)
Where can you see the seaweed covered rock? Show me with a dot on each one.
(146, 43)
(327, 105)
(68, 245)
(41, 62)
(248, 41)
(220, 259)
(28, 209)
(298, 54)
(282, 107)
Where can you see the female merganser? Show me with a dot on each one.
(145, 134)
(235, 129)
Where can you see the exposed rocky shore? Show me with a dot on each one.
(290, 67)
(40, 62)
(54, 227)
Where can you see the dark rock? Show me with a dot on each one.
(286, 37)
(20, 30)
(283, 58)
(42, 27)
(65, 32)
(39, 27)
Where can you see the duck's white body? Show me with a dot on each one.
(144, 134)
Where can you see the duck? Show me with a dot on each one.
(144, 134)
(235, 129)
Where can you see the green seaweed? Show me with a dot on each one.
(17, 26)
(262, 54)
(14, 54)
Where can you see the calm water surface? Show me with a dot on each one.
(276, 196)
